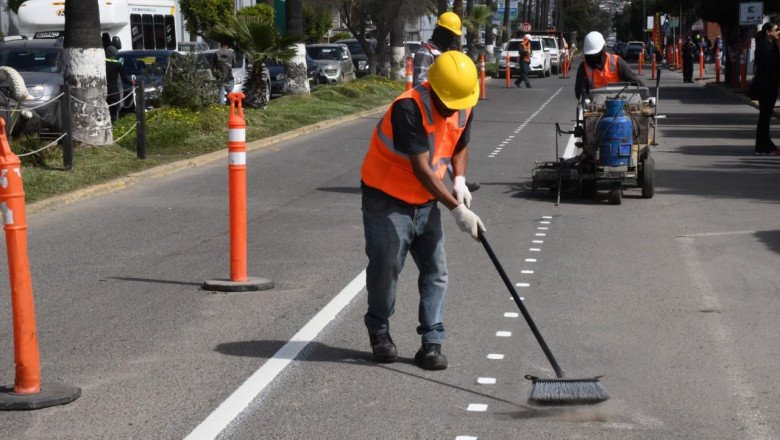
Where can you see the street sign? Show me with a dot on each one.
(698, 25)
(751, 13)
(649, 26)
(525, 27)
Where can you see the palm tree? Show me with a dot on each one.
(297, 81)
(261, 41)
(481, 15)
(85, 72)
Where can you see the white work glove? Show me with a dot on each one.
(461, 191)
(467, 221)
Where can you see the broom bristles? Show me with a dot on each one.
(567, 391)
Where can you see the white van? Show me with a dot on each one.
(540, 59)
(556, 55)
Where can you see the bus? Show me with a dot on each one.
(130, 24)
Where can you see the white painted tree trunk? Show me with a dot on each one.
(297, 80)
(490, 53)
(399, 62)
(85, 73)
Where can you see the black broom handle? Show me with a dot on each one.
(526, 315)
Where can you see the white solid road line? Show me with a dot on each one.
(228, 410)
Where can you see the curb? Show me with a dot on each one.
(173, 167)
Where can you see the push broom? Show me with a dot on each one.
(561, 390)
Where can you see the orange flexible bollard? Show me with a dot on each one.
(239, 280)
(508, 72)
(652, 66)
(482, 76)
(717, 66)
(28, 393)
(409, 72)
(641, 61)
(701, 63)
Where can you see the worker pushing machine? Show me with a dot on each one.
(424, 130)
(600, 68)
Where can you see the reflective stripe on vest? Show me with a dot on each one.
(390, 171)
(608, 75)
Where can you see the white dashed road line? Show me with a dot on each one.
(506, 141)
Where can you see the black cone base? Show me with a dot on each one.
(51, 394)
(250, 285)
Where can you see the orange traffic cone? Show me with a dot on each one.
(482, 76)
(409, 73)
(27, 392)
(239, 281)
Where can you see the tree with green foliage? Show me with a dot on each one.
(261, 10)
(261, 41)
(480, 16)
(203, 15)
(317, 21)
(584, 16)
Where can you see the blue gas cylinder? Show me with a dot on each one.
(615, 132)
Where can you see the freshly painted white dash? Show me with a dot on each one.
(235, 404)
(521, 298)
(477, 407)
(522, 285)
(511, 136)
(540, 234)
(538, 241)
(503, 334)
(546, 216)
(526, 271)
(542, 228)
(511, 315)
(530, 260)
(495, 356)
(534, 249)
(465, 437)
(486, 380)
(545, 223)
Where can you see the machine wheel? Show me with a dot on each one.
(588, 188)
(615, 194)
(647, 178)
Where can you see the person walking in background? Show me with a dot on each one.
(224, 60)
(445, 36)
(524, 59)
(115, 72)
(402, 175)
(689, 54)
(764, 85)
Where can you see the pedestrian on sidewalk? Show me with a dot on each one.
(689, 54)
(765, 84)
(402, 175)
(524, 60)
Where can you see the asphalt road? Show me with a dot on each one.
(674, 299)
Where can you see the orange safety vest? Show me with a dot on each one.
(527, 46)
(390, 171)
(608, 75)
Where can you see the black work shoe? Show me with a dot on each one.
(429, 357)
(472, 186)
(383, 347)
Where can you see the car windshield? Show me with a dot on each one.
(31, 60)
(412, 47)
(355, 47)
(144, 64)
(324, 53)
(635, 46)
(549, 43)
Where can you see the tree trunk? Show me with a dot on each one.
(457, 8)
(397, 66)
(489, 37)
(297, 81)
(85, 73)
(441, 6)
(507, 32)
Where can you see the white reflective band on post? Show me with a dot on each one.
(236, 135)
(237, 158)
(409, 78)
(8, 215)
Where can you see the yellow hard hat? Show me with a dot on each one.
(453, 76)
(451, 21)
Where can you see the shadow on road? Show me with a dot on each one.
(771, 239)
(341, 189)
(151, 280)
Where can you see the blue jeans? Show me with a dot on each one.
(393, 229)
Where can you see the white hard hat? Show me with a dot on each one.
(594, 43)
(527, 37)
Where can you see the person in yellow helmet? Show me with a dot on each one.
(425, 129)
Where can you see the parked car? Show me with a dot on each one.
(556, 55)
(540, 60)
(241, 71)
(334, 60)
(410, 47)
(278, 74)
(39, 62)
(192, 46)
(359, 56)
(620, 48)
(148, 66)
(633, 49)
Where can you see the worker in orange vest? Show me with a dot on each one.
(425, 129)
(600, 68)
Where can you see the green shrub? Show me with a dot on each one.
(188, 83)
(261, 10)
